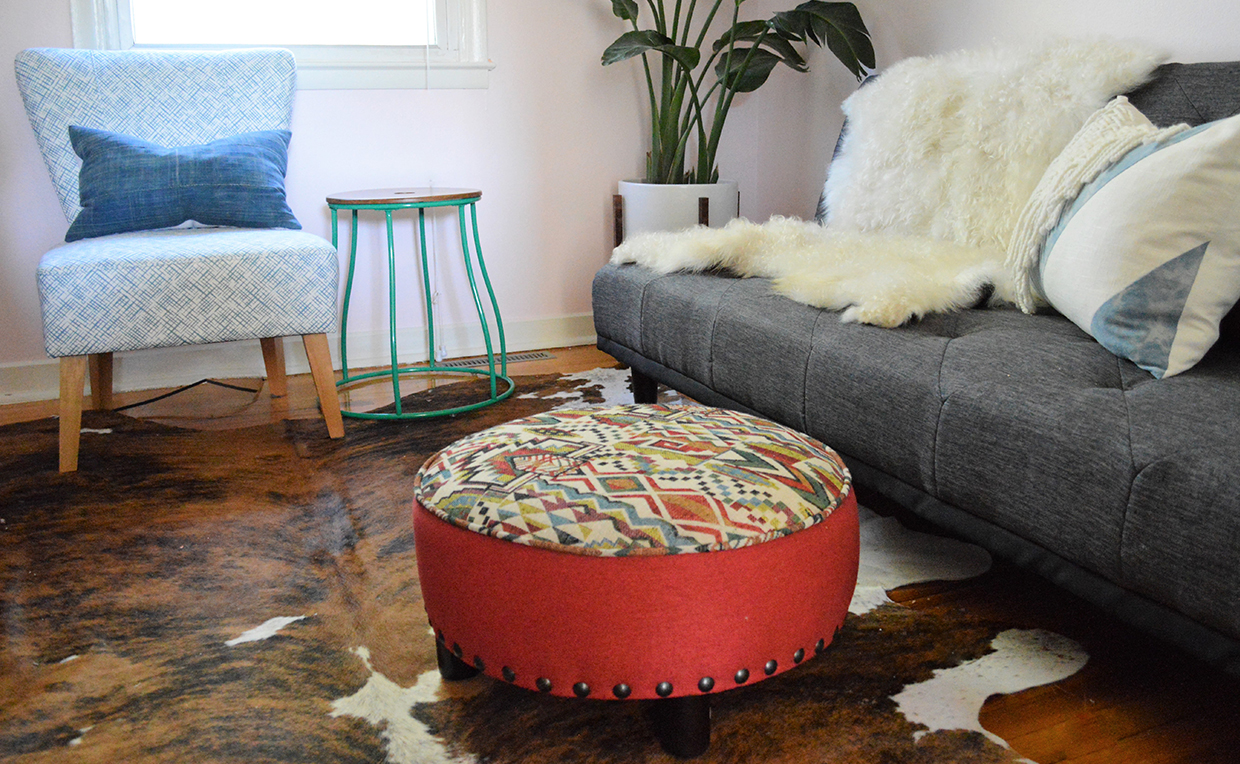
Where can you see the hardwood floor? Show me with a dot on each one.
(212, 407)
(1136, 701)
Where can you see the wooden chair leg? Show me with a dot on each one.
(72, 390)
(273, 359)
(101, 381)
(320, 358)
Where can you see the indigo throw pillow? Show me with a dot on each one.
(127, 184)
(1147, 257)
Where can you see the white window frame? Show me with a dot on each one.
(458, 61)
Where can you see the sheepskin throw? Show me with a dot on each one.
(940, 156)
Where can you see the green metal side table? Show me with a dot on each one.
(387, 200)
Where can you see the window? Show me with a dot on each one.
(358, 44)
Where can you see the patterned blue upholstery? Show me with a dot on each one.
(172, 286)
(185, 286)
(170, 99)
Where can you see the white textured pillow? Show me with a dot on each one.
(1147, 258)
(1109, 134)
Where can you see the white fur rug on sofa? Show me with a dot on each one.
(939, 157)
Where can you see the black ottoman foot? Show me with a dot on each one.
(452, 668)
(682, 725)
(645, 389)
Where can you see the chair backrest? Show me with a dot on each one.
(167, 98)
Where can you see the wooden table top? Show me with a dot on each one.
(404, 195)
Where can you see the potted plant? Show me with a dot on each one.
(692, 89)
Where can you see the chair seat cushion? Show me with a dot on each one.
(185, 286)
(635, 480)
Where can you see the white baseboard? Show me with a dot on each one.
(172, 367)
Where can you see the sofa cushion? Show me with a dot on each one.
(1182, 528)
(1033, 436)
(1022, 421)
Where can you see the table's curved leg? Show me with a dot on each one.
(348, 290)
(391, 248)
(473, 288)
(427, 289)
(482, 266)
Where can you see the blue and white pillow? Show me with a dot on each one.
(1147, 257)
(127, 184)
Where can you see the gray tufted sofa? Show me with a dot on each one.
(1017, 432)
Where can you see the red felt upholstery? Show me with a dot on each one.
(638, 620)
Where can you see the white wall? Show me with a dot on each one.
(546, 143)
(1187, 30)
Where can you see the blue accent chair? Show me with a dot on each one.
(172, 286)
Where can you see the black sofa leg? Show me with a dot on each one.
(682, 725)
(452, 668)
(645, 389)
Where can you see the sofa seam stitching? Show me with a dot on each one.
(714, 325)
(641, 318)
(805, 377)
(938, 419)
(1180, 86)
(1133, 473)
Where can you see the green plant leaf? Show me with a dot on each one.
(753, 31)
(840, 26)
(635, 43)
(793, 25)
(786, 52)
(688, 115)
(625, 9)
(747, 72)
(743, 31)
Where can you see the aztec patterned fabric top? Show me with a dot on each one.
(635, 480)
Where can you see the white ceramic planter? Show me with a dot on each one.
(673, 207)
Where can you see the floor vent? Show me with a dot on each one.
(469, 363)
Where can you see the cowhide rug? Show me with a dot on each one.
(252, 595)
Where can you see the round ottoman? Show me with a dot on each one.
(637, 551)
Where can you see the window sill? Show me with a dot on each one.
(370, 75)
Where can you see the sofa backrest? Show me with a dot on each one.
(1192, 93)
